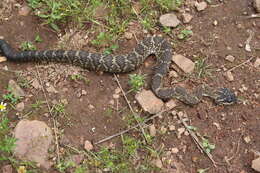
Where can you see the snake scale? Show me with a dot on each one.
(158, 46)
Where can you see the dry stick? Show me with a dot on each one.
(130, 107)
(196, 140)
(49, 108)
(133, 127)
(240, 64)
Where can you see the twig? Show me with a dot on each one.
(253, 16)
(49, 108)
(196, 140)
(240, 64)
(127, 130)
(237, 150)
(130, 107)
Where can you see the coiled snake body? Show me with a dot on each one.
(125, 63)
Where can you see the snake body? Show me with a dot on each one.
(158, 46)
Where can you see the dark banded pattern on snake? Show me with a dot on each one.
(158, 46)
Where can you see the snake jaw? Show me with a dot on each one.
(225, 96)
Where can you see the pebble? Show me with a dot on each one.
(34, 139)
(157, 163)
(184, 63)
(172, 127)
(88, 145)
(256, 164)
(230, 58)
(16, 89)
(128, 35)
(36, 84)
(200, 6)
(215, 22)
(257, 62)
(149, 102)
(169, 19)
(83, 92)
(257, 5)
(186, 18)
(170, 104)
(91, 106)
(174, 150)
(20, 107)
(2, 59)
(152, 130)
(247, 139)
(180, 132)
(24, 11)
(51, 89)
(7, 169)
(173, 73)
(116, 96)
(163, 130)
(229, 76)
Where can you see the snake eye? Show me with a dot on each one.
(225, 97)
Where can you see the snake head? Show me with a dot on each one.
(225, 96)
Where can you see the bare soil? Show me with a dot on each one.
(88, 117)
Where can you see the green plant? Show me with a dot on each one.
(63, 165)
(207, 145)
(11, 97)
(201, 68)
(38, 38)
(136, 81)
(27, 45)
(37, 104)
(184, 34)
(76, 77)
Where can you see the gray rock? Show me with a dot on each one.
(169, 19)
(200, 6)
(184, 63)
(256, 164)
(34, 138)
(16, 89)
(186, 17)
(257, 62)
(257, 5)
(149, 102)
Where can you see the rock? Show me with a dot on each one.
(180, 132)
(163, 130)
(230, 58)
(7, 169)
(229, 76)
(175, 150)
(157, 163)
(152, 130)
(247, 139)
(24, 11)
(215, 22)
(149, 102)
(170, 104)
(200, 6)
(116, 96)
(257, 5)
(2, 59)
(184, 63)
(172, 127)
(83, 92)
(257, 62)
(128, 35)
(34, 139)
(78, 158)
(173, 73)
(256, 164)
(169, 19)
(91, 106)
(36, 84)
(88, 145)
(20, 107)
(16, 89)
(186, 17)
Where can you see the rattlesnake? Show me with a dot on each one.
(158, 46)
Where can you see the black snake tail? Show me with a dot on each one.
(125, 63)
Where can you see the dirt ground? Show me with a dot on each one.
(88, 117)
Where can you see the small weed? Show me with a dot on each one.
(130, 145)
(11, 98)
(80, 169)
(102, 39)
(109, 112)
(184, 34)
(58, 108)
(207, 145)
(111, 49)
(77, 77)
(63, 165)
(38, 39)
(27, 45)
(136, 82)
(202, 69)
(166, 30)
(37, 104)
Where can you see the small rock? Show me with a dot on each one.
(184, 63)
(215, 23)
(257, 5)
(240, 45)
(200, 6)
(51, 89)
(128, 35)
(2, 59)
(186, 17)
(152, 130)
(248, 47)
(172, 127)
(116, 96)
(173, 73)
(170, 104)
(180, 131)
(24, 11)
(157, 163)
(257, 62)
(170, 20)
(34, 139)
(175, 150)
(16, 89)
(163, 130)
(230, 58)
(247, 139)
(36, 84)
(149, 102)
(217, 125)
(229, 76)
(88, 145)
(91, 106)
(83, 92)
(7, 169)
(20, 107)
(256, 164)
(117, 90)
